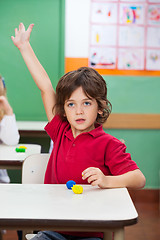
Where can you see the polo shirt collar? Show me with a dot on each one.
(97, 131)
(94, 133)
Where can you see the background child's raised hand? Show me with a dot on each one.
(21, 35)
(4, 104)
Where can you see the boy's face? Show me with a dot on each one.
(81, 112)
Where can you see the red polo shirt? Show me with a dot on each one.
(71, 156)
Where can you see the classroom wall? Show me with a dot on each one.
(47, 40)
(128, 94)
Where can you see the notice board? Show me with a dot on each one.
(125, 36)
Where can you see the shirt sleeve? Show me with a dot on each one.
(118, 160)
(55, 127)
(8, 130)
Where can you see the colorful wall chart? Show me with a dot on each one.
(125, 35)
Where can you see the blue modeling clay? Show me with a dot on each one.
(70, 184)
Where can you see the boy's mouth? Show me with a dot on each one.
(80, 120)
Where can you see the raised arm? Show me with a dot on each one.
(39, 75)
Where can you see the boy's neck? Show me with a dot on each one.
(77, 132)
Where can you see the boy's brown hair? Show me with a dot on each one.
(93, 85)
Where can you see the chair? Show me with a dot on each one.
(33, 172)
(34, 167)
(29, 236)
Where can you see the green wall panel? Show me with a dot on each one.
(135, 94)
(47, 40)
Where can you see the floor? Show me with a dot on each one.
(148, 227)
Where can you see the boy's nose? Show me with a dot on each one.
(79, 110)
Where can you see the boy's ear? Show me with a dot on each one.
(100, 112)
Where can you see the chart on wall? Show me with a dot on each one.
(125, 35)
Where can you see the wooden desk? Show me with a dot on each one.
(54, 207)
(10, 159)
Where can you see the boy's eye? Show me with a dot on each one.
(70, 104)
(87, 103)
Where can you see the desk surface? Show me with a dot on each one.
(9, 158)
(55, 207)
(31, 125)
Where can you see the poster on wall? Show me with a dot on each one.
(125, 35)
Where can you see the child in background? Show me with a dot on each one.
(9, 134)
(82, 151)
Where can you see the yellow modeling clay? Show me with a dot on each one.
(77, 189)
(23, 147)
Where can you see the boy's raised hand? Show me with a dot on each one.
(22, 36)
(38, 73)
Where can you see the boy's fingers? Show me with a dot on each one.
(95, 183)
(16, 31)
(92, 178)
(29, 30)
(12, 38)
(21, 27)
(89, 174)
(31, 25)
(86, 174)
(86, 170)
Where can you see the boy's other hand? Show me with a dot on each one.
(94, 176)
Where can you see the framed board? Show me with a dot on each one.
(125, 37)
